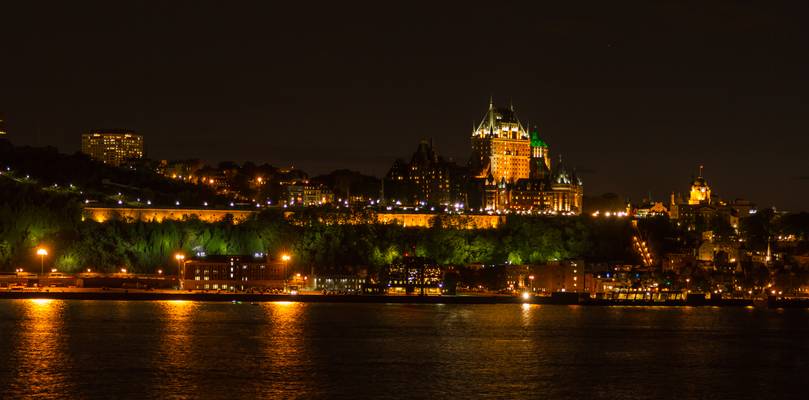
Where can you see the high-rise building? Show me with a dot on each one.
(112, 147)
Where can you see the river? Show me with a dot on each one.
(183, 349)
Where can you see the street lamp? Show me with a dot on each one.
(285, 257)
(41, 252)
(180, 257)
(687, 285)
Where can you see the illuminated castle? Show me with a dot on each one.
(501, 146)
(512, 169)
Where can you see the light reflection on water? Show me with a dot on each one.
(175, 349)
(283, 360)
(173, 360)
(39, 357)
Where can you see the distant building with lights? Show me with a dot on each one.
(428, 179)
(703, 203)
(306, 194)
(511, 169)
(700, 191)
(413, 275)
(233, 273)
(113, 147)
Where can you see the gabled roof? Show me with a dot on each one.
(498, 115)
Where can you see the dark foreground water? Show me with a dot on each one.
(176, 349)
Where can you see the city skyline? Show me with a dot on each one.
(635, 113)
(384, 200)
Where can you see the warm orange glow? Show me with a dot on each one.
(179, 257)
(42, 252)
(285, 257)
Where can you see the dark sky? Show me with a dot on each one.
(636, 95)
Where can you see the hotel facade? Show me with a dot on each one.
(112, 147)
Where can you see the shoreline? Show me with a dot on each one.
(318, 298)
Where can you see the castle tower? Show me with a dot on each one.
(540, 157)
(502, 145)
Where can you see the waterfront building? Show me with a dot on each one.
(338, 283)
(112, 146)
(219, 272)
(568, 276)
(413, 275)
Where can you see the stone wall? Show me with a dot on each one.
(409, 220)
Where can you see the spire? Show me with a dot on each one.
(491, 115)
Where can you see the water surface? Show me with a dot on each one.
(180, 349)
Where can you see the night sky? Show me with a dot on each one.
(636, 95)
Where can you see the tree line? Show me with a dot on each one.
(31, 217)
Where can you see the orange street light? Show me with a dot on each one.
(41, 252)
(180, 258)
(285, 257)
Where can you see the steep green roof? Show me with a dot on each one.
(536, 141)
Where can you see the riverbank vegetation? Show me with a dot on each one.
(31, 217)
